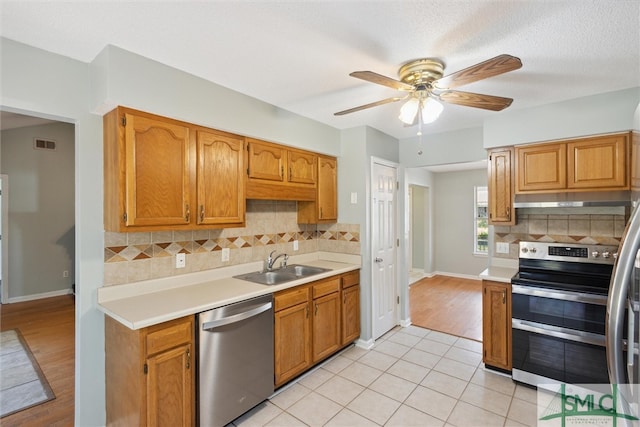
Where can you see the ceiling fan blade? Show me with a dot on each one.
(489, 68)
(476, 100)
(365, 106)
(376, 78)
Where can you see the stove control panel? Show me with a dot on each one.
(572, 252)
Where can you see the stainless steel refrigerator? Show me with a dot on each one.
(623, 312)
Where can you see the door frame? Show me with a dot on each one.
(4, 237)
(372, 228)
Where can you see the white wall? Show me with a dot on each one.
(454, 222)
(41, 227)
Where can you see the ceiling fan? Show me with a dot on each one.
(423, 80)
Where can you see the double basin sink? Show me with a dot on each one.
(282, 275)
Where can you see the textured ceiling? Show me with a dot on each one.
(297, 55)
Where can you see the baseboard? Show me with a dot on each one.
(39, 296)
(405, 323)
(460, 276)
(366, 344)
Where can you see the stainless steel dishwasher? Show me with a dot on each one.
(235, 359)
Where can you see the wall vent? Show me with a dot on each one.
(43, 144)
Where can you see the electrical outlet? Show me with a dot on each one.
(502, 248)
(181, 260)
(225, 254)
(295, 245)
(65, 273)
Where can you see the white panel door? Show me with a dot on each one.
(384, 248)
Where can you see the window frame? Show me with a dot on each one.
(477, 218)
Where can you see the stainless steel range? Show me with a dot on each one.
(559, 299)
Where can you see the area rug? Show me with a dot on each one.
(22, 383)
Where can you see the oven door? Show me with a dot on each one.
(564, 309)
(561, 356)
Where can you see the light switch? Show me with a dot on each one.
(354, 198)
(502, 247)
(225, 254)
(295, 245)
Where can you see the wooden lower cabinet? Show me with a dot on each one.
(150, 378)
(313, 322)
(496, 324)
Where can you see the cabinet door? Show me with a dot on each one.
(220, 181)
(597, 163)
(500, 187)
(541, 167)
(350, 314)
(266, 161)
(169, 388)
(292, 333)
(157, 172)
(302, 167)
(496, 324)
(326, 325)
(327, 189)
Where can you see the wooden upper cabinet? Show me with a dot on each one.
(276, 172)
(163, 174)
(500, 179)
(597, 163)
(541, 167)
(157, 171)
(635, 160)
(220, 179)
(266, 161)
(325, 207)
(302, 167)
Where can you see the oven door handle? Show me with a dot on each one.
(558, 294)
(557, 332)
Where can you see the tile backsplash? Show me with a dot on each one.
(586, 228)
(270, 225)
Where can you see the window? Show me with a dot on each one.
(481, 223)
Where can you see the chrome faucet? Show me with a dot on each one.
(271, 260)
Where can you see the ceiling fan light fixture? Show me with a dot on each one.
(409, 110)
(431, 110)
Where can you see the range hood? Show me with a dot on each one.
(572, 200)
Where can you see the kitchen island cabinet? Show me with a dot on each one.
(496, 324)
(150, 374)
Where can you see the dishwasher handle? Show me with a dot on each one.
(253, 311)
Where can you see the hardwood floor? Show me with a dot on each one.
(48, 327)
(448, 304)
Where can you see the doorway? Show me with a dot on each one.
(419, 233)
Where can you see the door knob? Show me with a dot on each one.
(378, 259)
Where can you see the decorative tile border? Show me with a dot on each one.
(133, 252)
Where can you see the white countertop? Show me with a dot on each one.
(141, 304)
(499, 274)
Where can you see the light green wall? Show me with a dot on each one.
(453, 218)
(41, 226)
(459, 146)
(418, 226)
(604, 113)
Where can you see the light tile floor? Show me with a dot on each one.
(411, 377)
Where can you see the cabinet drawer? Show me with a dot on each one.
(350, 279)
(326, 287)
(289, 298)
(169, 335)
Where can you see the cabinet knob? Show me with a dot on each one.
(201, 213)
(188, 214)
